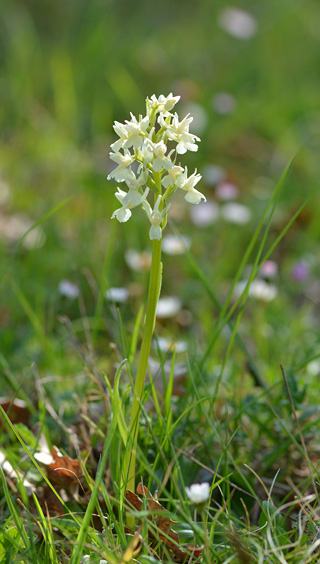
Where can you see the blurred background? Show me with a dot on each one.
(249, 73)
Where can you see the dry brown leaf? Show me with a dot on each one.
(16, 410)
(134, 500)
(161, 536)
(64, 471)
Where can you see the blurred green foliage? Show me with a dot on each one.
(68, 70)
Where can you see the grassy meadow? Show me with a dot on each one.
(232, 391)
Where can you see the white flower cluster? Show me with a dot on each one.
(144, 163)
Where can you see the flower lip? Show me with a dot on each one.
(198, 493)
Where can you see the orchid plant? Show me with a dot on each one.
(146, 155)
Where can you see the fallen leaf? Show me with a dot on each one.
(161, 535)
(163, 523)
(64, 471)
(16, 410)
(134, 500)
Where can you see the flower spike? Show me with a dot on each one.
(144, 163)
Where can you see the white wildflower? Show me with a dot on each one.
(117, 295)
(259, 290)
(204, 214)
(122, 133)
(146, 154)
(198, 493)
(188, 184)
(236, 213)
(68, 289)
(179, 131)
(238, 23)
(121, 172)
(137, 182)
(155, 217)
(163, 104)
(129, 200)
(174, 245)
(171, 177)
(138, 261)
(168, 306)
(161, 161)
(131, 133)
(136, 131)
(167, 345)
(122, 214)
(133, 198)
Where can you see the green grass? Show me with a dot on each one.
(68, 70)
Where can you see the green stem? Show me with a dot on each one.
(153, 296)
(206, 538)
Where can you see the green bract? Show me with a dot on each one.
(145, 165)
